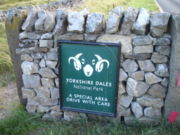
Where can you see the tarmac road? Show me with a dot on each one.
(172, 6)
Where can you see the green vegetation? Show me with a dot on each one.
(22, 123)
(6, 68)
(104, 6)
(5, 61)
(6, 4)
(19, 122)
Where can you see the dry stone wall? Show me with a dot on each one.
(144, 68)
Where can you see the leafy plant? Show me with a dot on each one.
(19, 122)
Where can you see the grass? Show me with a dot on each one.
(5, 61)
(19, 122)
(104, 6)
(6, 68)
(6, 4)
(22, 123)
(6, 77)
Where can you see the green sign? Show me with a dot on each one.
(89, 77)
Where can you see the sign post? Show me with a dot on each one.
(89, 76)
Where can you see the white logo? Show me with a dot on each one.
(96, 64)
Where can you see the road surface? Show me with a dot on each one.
(172, 6)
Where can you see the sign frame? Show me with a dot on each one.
(62, 107)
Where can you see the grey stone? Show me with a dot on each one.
(152, 112)
(136, 88)
(29, 35)
(159, 58)
(44, 101)
(61, 22)
(26, 57)
(122, 111)
(54, 93)
(157, 91)
(140, 56)
(90, 37)
(57, 82)
(47, 36)
(31, 108)
(95, 22)
(121, 89)
(125, 41)
(52, 55)
(139, 27)
(42, 109)
(76, 22)
(119, 11)
(46, 43)
(56, 108)
(159, 23)
(25, 50)
(27, 43)
(165, 82)
(37, 56)
(29, 68)
(28, 25)
(31, 101)
(146, 65)
(152, 78)
(173, 95)
(129, 18)
(139, 75)
(143, 49)
(164, 50)
(47, 73)
(64, 2)
(69, 116)
(84, 12)
(42, 92)
(28, 93)
(49, 22)
(149, 121)
(39, 24)
(162, 70)
(42, 63)
(125, 100)
(56, 70)
(114, 19)
(70, 36)
(113, 22)
(56, 115)
(130, 120)
(162, 41)
(130, 66)
(142, 40)
(122, 75)
(47, 82)
(51, 64)
(150, 101)
(31, 81)
(137, 109)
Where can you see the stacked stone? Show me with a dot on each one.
(144, 69)
(39, 64)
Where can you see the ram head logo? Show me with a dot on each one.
(88, 67)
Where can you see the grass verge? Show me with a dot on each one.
(5, 60)
(22, 123)
(6, 4)
(104, 6)
(6, 67)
